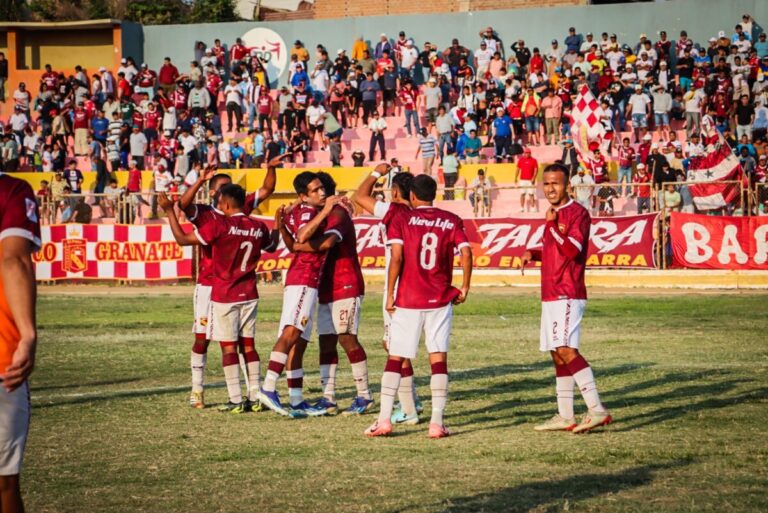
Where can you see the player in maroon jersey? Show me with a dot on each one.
(199, 214)
(563, 258)
(236, 240)
(301, 284)
(423, 242)
(410, 406)
(340, 301)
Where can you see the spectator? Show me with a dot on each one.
(10, 153)
(472, 146)
(527, 172)
(428, 149)
(3, 76)
(409, 99)
(74, 178)
(639, 107)
(162, 180)
(502, 135)
(672, 199)
(582, 185)
(382, 47)
(627, 156)
(138, 145)
(570, 157)
(744, 117)
(662, 105)
(377, 126)
(358, 157)
(369, 89)
(450, 173)
(480, 187)
(642, 192)
(553, 111)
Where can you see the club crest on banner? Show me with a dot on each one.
(74, 255)
(271, 50)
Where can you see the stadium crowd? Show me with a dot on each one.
(221, 111)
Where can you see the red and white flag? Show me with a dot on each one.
(719, 173)
(587, 129)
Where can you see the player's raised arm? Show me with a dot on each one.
(20, 292)
(183, 239)
(188, 198)
(362, 196)
(283, 230)
(270, 180)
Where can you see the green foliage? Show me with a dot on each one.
(98, 9)
(213, 11)
(12, 10)
(157, 12)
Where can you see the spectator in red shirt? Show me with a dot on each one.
(167, 76)
(80, 123)
(643, 192)
(124, 87)
(409, 98)
(146, 81)
(527, 171)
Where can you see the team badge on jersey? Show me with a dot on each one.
(74, 260)
(561, 227)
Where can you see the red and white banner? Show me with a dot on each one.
(111, 252)
(499, 243)
(712, 242)
(587, 127)
(714, 170)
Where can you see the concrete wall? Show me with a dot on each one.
(342, 8)
(701, 18)
(132, 36)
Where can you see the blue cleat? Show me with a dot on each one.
(359, 406)
(272, 401)
(308, 410)
(329, 407)
(400, 417)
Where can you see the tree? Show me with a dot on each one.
(157, 12)
(12, 10)
(213, 11)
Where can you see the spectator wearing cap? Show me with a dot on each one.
(573, 41)
(502, 132)
(639, 108)
(399, 45)
(453, 54)
(428, 149)
(642, 190)
(341, 65)
(761, 46)
(583, 187)
(482, 58)
(369, 89)
(552, 105)
(409, 57)
(522, 54)
(492, 41)
(554, 57)
(383, 46)
(128, 68)
(146, 81)
(166, 77)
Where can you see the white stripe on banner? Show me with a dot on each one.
(721, 171)
(168, 269)
(106, 231)
(136, 271)
(106, 269)
(711, 202)
(137, 233)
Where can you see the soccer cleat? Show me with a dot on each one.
(359, 406)
(557, 423)
(400, 417)
(419, 406)
(253, 406)
(330, 407)
(438, 431)
(231, 407)
(379, 429)
(196, 400)
(271, 400)
(308, 410)
(592, 420)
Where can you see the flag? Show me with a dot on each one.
(717, 165)
(586, 128)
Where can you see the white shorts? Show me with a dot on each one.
(340, 317)
(15, 410)
(526, 187)
(407, 326)
(298, 309)
(230, 321)
(387, 327)
(202, 305)
(560, 323)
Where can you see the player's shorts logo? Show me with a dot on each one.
(74, 259)
(203, 321)
(304, 321)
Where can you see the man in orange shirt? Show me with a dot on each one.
(19, 238)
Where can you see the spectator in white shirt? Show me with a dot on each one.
(233, 100)
(163, 179)
(483, 57)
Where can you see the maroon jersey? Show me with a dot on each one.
(564, 254)
(342, 275)
(200, 215)
(306, 268)
(430, 238)
(237, 243)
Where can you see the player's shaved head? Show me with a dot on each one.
(233, 195)
(401, 182)
(424, 188)
(328, 182)
(302, 181)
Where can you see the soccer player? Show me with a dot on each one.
(237, 240)
(423, 242)
(563, 259)
(340, 298)
(200, 214)
(19, 238)
(301, 284)
(408, 412)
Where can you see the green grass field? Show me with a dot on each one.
(685, 376)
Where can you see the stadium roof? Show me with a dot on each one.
(59, 25)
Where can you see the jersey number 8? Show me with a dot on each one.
(428, 255)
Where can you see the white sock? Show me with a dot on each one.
(295, 394)
(276, 359)
(585, 380)
(244, 369)
(232, 378)
(198, 370)
(439, 386)
(390, 382)
(564, 390)
(360, 375)
(254, 379)
(328, 380)
(406, 396)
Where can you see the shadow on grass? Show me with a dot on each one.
(91, 397)
(552, 495)
(83, 385)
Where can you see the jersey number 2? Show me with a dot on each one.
(428, 255)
